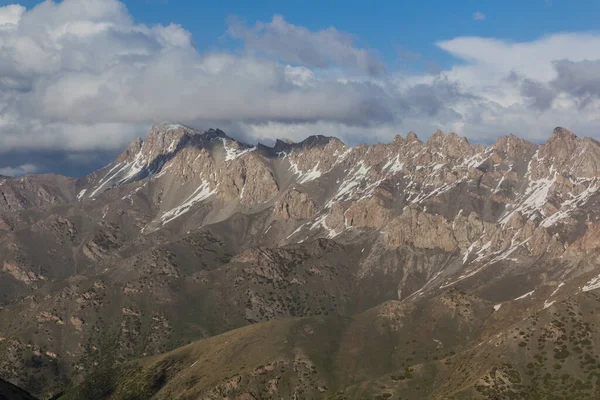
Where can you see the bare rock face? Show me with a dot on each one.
(567, 154)
(248, 179)
(336, 219)
(421, 230)
(192, 164)
(20, 273)
(134, 148)
(313, 157)
(163, 139)
(513, 146)
(368, 213)
(105, 241)
(467, 230)
(77, 323)
(35, 191)
(561, 146)
(46, 316)
(412, 137)
(451, 144)
(589, 241)
(296, 205)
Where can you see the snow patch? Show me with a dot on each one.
(546, 304)
(558, 287)
(394, 165)
(232, 153)
(201, 193)
(331, 233)
(534, 198)
(350, 185)
(594, 283)
(525, 295)
(310, 175)
(570, 205)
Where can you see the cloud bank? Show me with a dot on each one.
(81, 76)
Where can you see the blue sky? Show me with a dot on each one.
(80, 79)
(387, 26)
(412, 26)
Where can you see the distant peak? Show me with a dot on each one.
(562, 133)
(215, 133)
(562, 138)
(280, 145)
(315, 140)
(167, 126)
(512, 144)
(440, 138)
(440, 135)
(412, 137)
(133, 148)
(318, 141)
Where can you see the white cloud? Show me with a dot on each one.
(478, 16)
(10, 16)
(20, 170)
(80, 76)
(527, 87)
(297, 44)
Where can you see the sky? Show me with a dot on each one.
(80, 79)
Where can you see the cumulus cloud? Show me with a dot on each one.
(80, 77)
(19, 170)
(541, 95)
(10, 15)
(297, 44)
(527, 87)
(581, 79)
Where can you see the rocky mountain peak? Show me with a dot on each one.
(214, 134)
(165, 138)
(313, 141)
(560, 133)
(451, 144)
(133, 149)
(281, 145)
(412, 137)
(570, 155)
(398, 139)
(513, 146)
(318, 141)
(560, 145)
(438, 136)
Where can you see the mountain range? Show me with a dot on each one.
(197, 266)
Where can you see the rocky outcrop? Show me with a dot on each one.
(20, 273)
(451, 144)
(106, 240)
(421, 230)
(514, 147)
(296, 205)
(368, 213)
(248, 179)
